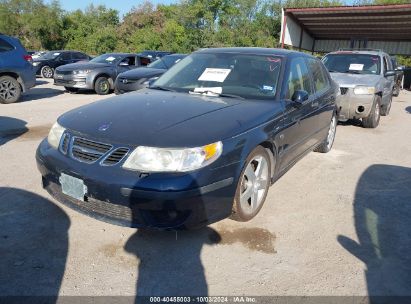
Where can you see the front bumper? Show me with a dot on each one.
(128, 85)
(73, 81)
(353, 106)
(126, 198)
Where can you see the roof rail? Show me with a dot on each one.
(360, 49)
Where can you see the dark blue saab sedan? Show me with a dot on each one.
(203, 143)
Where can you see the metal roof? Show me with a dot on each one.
(376, 22)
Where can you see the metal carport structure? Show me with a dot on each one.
(325, 29)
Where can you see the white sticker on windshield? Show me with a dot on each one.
(56, 54)
(356, 67)
(218, 75)
(111, 58)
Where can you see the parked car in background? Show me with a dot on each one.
(141, 77)
(38, 54)
(99, 74)
(48, 62)
(16, 72)
(366, 80)
(398, 77)
(154, 54)
(203, 143)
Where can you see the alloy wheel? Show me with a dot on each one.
(254, 184)
(8, 90)
(47, 72)
(331, 132)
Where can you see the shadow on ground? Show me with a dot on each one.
(40, 93)
(33, 244)
(408, 109)
(10, 128)
(382, 214)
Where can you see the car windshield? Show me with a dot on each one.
(218, 74)
(107, 58)
(50, 55)
(158, 64)
(353, 63)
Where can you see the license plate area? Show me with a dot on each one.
(73, 186)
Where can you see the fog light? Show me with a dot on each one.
(360, 109)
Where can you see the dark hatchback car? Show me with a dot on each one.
(47, 63)
(98, 74)
(140, 78)
(203, 143)
(16, 72)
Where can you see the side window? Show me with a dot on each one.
(79, 56)
(5, 46)
(319, 77)
(129, 61)
(66, 56)
(298, 78)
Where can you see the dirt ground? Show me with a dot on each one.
(335, 224)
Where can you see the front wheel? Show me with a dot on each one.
(47, 72)
(102, 86)
(327, 144)
(252, 186)
(373, 120)
(385, 110)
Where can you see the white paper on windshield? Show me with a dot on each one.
(210, 90)
(111, 58)
(56, 54)
(217, 75)
(356, 67)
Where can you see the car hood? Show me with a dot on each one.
(142, 72)
(83, 65)
(167, 119)
(349, 80)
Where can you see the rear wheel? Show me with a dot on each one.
(47, 72)
(252, 186)
(10, 90)
(102, 86)
(71, 90)
(373, 119)
(327, 144)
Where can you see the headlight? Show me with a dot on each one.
(361, 90)
(36, 63)
(149, 159)
(81, 72)
(55, 134)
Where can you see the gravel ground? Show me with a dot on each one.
(335, 224)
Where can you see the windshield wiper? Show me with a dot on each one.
(162, 88)
(213, 93)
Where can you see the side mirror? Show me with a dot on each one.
(299, 97)
(390, 73)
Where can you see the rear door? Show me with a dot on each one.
(388, 81)
(299, 122)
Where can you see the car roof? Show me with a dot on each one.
(255, 51)
(365, 52)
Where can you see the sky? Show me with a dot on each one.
(123, 6)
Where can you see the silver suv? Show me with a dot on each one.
(366, 80)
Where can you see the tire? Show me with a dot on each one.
(71, 90)
(328, 142)
(385, 110)
(10, 90)
(252, 189)
(102, 86)
(47, 72)
(373, 120)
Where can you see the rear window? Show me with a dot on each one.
(353, 63)
(5, 46)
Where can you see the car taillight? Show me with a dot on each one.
(28, 58)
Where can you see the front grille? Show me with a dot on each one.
(343, 91)
(64, 82)
(115, 157)
(88, 151)
(64, 72)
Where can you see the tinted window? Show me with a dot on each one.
(320, 80)
(353, 63)
(80, 56)
(298, 78)
(66, 56)
(249, 76)
(129, 60)
(5, 46)
(50, 55)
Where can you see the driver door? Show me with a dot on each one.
(126, 64)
